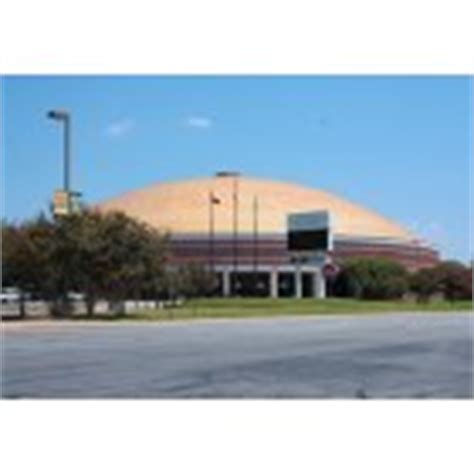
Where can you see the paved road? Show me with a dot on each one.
(407, 356)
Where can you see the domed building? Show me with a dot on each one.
(238, 227)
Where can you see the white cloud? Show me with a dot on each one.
(199, 122)
(119, 128)
(430, 231)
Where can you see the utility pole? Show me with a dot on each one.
(62, 203)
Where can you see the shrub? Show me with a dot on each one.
(196, 281)
(452, 279)
(371, 278)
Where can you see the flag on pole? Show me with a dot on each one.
(215, 199)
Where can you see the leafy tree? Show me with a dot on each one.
(456, 280)
(371, 278)
(425, 283)
(450, 278)
(29, 252)
(13, 261)
(108, 256)
(114, 256)
(194, 280)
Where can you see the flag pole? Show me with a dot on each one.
(255, 243)
(211, 232)
(235, 234)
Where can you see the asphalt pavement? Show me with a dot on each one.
(381, 356)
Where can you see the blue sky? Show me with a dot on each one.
(400, 145)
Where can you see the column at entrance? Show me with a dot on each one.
(319, 284)
(226, 283)
(274, 283)
(298, 281)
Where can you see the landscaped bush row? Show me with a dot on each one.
(376, 278)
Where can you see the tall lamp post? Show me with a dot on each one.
(64, 117)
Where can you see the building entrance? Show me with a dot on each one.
(251, 284)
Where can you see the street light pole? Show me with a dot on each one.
(67, 153)
(64, 117)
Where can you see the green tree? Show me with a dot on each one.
(14, 269)
(194, 280)
(30, 259)
(114, 257)
(102, 255)
(450, 278)
(425, 283)
(371, 278)
(456, 280)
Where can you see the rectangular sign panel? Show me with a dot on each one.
(61, 203)
(308, 240)
(309, 231)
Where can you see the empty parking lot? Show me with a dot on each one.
(385, 356)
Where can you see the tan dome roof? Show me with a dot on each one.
(183, 207)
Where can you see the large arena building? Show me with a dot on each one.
(238, 227)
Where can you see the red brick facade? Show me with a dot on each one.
(273, 251)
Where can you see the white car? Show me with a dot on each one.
(10, 295)
(10, 303)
